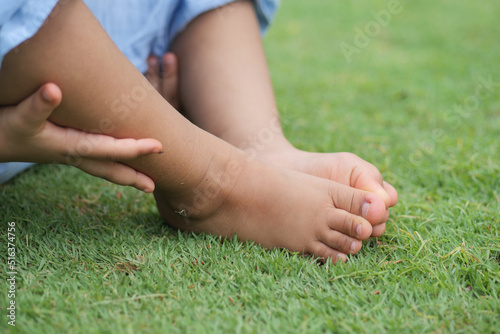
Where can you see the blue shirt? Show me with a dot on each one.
(138, 27)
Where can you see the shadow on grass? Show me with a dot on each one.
(53, 205)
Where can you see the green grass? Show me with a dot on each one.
(95, 257)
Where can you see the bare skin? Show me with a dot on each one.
(163, 75)
(202, 183)
(345, 168)
(27, 135)
(224, 88)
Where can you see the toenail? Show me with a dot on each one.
(152, 62)
(354, 245)
(365, 208)
(168, 60)
(359, 230)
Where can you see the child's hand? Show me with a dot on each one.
(26, 135)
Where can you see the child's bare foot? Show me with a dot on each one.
(345, 168)
(275, 208)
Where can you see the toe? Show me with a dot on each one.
(170, 79)
(386, 216)
(153, 72)
(366, 176)
(325, 253)
(393, 194)
(340, 242)
(362, 203)
(378, 230)
(350, 225)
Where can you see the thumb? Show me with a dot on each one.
(37, 108)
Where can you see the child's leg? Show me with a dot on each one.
(202, 183)
(226, 89)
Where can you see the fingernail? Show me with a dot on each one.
(359, 230)
(156, 150)
(147, 190)
(365, 208)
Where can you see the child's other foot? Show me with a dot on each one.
(275, 208)
(345, 168)
(163, 74)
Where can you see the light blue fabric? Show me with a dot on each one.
(141, 28)
(10, 169)
(20, 20)
(138, 27)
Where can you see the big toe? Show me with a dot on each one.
(362, 203)
(377, 187)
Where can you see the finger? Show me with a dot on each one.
(117, 173)
(97, 146)
(36, 109)
(362, 203)
(153, 72)
(169, 87)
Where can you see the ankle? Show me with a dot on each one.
(264, 137)
(203, 198)
(265, 147)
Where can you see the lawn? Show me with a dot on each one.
(416, 93)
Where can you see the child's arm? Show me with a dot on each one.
(26, 135)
